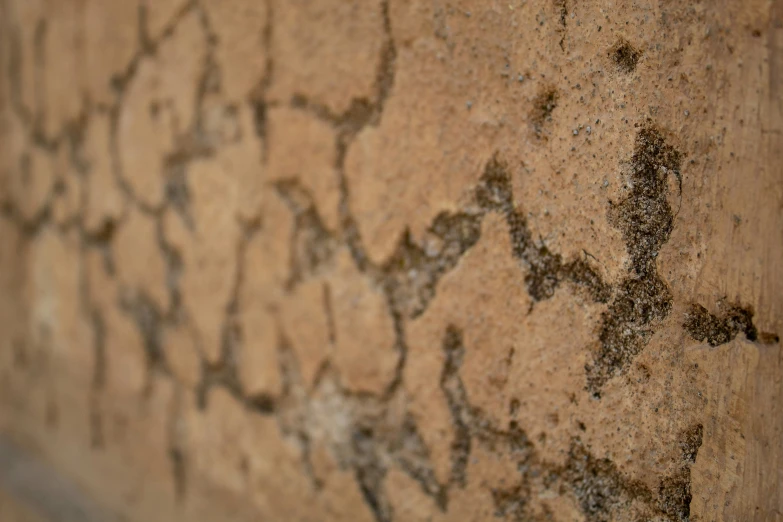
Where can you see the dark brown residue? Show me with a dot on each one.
(543, 106)
(545, 269)
(642, 299)
(598, 485)
(720, 329)
(674, 491)
(625, 56)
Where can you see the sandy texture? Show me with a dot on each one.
(396, 259)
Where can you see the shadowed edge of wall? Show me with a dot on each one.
(41, 491)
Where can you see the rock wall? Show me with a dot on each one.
(395, 259)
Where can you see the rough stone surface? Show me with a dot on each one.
(395, 260)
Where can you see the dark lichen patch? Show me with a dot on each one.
(674, 496)
(413, 271)
(561, 8)
(582, 274)
(674, 491)
(598, 485)
(720, 329)
(543, 106)
(625, 55)
(690, 442)
(645, 216)
(562, 11)
(511, 503)
(645, 219)
(625, 327)
(493, 193)
(600, 488)
(545, 269)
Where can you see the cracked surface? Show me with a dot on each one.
(388, 260)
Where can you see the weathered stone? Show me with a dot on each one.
(394, 260)
(206, 233)
(241, 49)
(326, 51)
(302, 148)
(309, 304)
(62, 55)
(265, 271)
(158, 108)
(110, 35)
(105, 202)
(141, 266)
(365, 353)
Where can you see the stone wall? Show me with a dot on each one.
(395, 259)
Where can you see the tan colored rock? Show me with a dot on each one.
(162, 15)
(341, 498)
(66, 200)
(141, 266)
(209, 267)
(265, 272)
(110, 34)
(126, 364)
(32, 182)
(151, 481)
(58, 317)
(27, 18)
(306, 321)
(62, 52)
(241, 48)
(410, 502)
(326, 51)
(223, 441)
(13, 273)
(183, 355)
(105, 202)
(259, 369)
(157, 108)
(364, 332)
(302, 148)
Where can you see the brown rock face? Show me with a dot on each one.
(391, 260)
